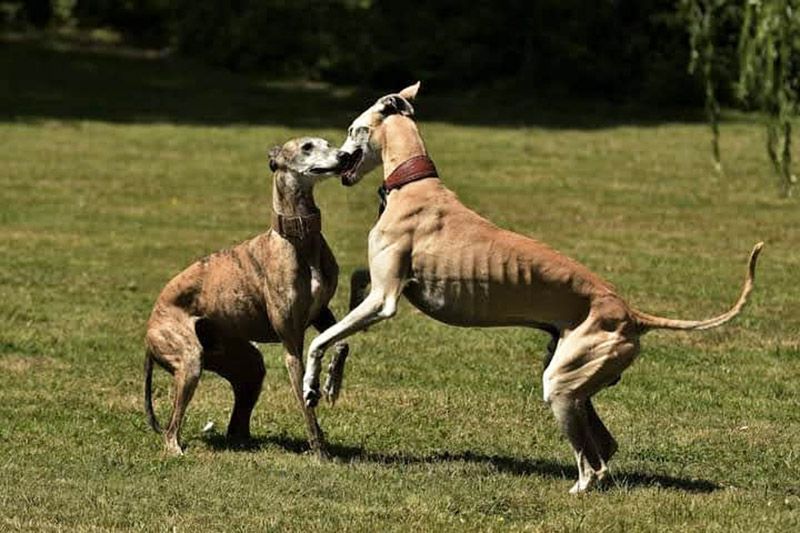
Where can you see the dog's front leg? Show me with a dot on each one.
(374, 308)
(293, 359)
(333, 383)
(388, 267)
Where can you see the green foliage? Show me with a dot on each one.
(769, 52)
(612, 49)
(38, 12)
(712, 26)
(63, 12)
(766, 56)
(300, 39)
(147, 22)
(622, 49)
(11, 14)
(701, 16)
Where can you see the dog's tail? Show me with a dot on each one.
(648, 322)
(148, 391)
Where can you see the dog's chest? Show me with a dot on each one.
(319, 290)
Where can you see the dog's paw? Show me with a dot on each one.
(322, 455)
(333, 384)
(173, 450)
(311, 393)
(311, 397)
(341, 351)
(588, 483)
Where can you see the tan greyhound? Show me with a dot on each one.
(267, 289)
(461, 269)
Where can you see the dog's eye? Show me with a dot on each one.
(307, 147)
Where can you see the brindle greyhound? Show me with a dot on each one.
(267, 289)
(461, 269)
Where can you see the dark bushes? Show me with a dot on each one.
(614, 49)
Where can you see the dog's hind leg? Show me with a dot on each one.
(555, 336)
(571, 415)
(606, 445)
(585, 361)
(175, 346)
(359, 282)
(186, 379)
(242, 364)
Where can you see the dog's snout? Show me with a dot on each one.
(342, 156)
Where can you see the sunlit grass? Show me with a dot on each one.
(437, 428)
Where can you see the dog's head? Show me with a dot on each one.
(308, 159)
(365, 138)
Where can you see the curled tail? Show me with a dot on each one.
(148, 391)
(648, 322)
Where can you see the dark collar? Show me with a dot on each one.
(414, 169)
(297, 227)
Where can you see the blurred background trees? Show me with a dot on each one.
(711, 26)
(611, 49)
(769, 77)
(738, 52)
(614, 49)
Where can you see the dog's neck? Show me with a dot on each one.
(295, 215)
(401, 142)
(291, 197)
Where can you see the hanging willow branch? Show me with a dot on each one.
(769, 75)
(701, 22)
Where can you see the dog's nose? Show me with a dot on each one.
(343, 157)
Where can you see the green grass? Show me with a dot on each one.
(118, 171)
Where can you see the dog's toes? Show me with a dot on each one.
(331, 394)
(333, 384)
(323, 455)
(585, 485)
(174, 451)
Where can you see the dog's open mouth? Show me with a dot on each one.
(350, 170)
(325, 170)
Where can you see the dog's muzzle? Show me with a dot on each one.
(342, 164)
(350, 170)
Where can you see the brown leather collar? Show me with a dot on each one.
(298, 227)
(416, 168)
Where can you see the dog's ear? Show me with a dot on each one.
(274, 155)
(396, 105)
(410, 92)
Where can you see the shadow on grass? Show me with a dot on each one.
(43, 80)
(504, 464)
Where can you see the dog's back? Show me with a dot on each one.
(464, 270)
(226, 288)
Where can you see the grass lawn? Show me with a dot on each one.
(117, 171)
